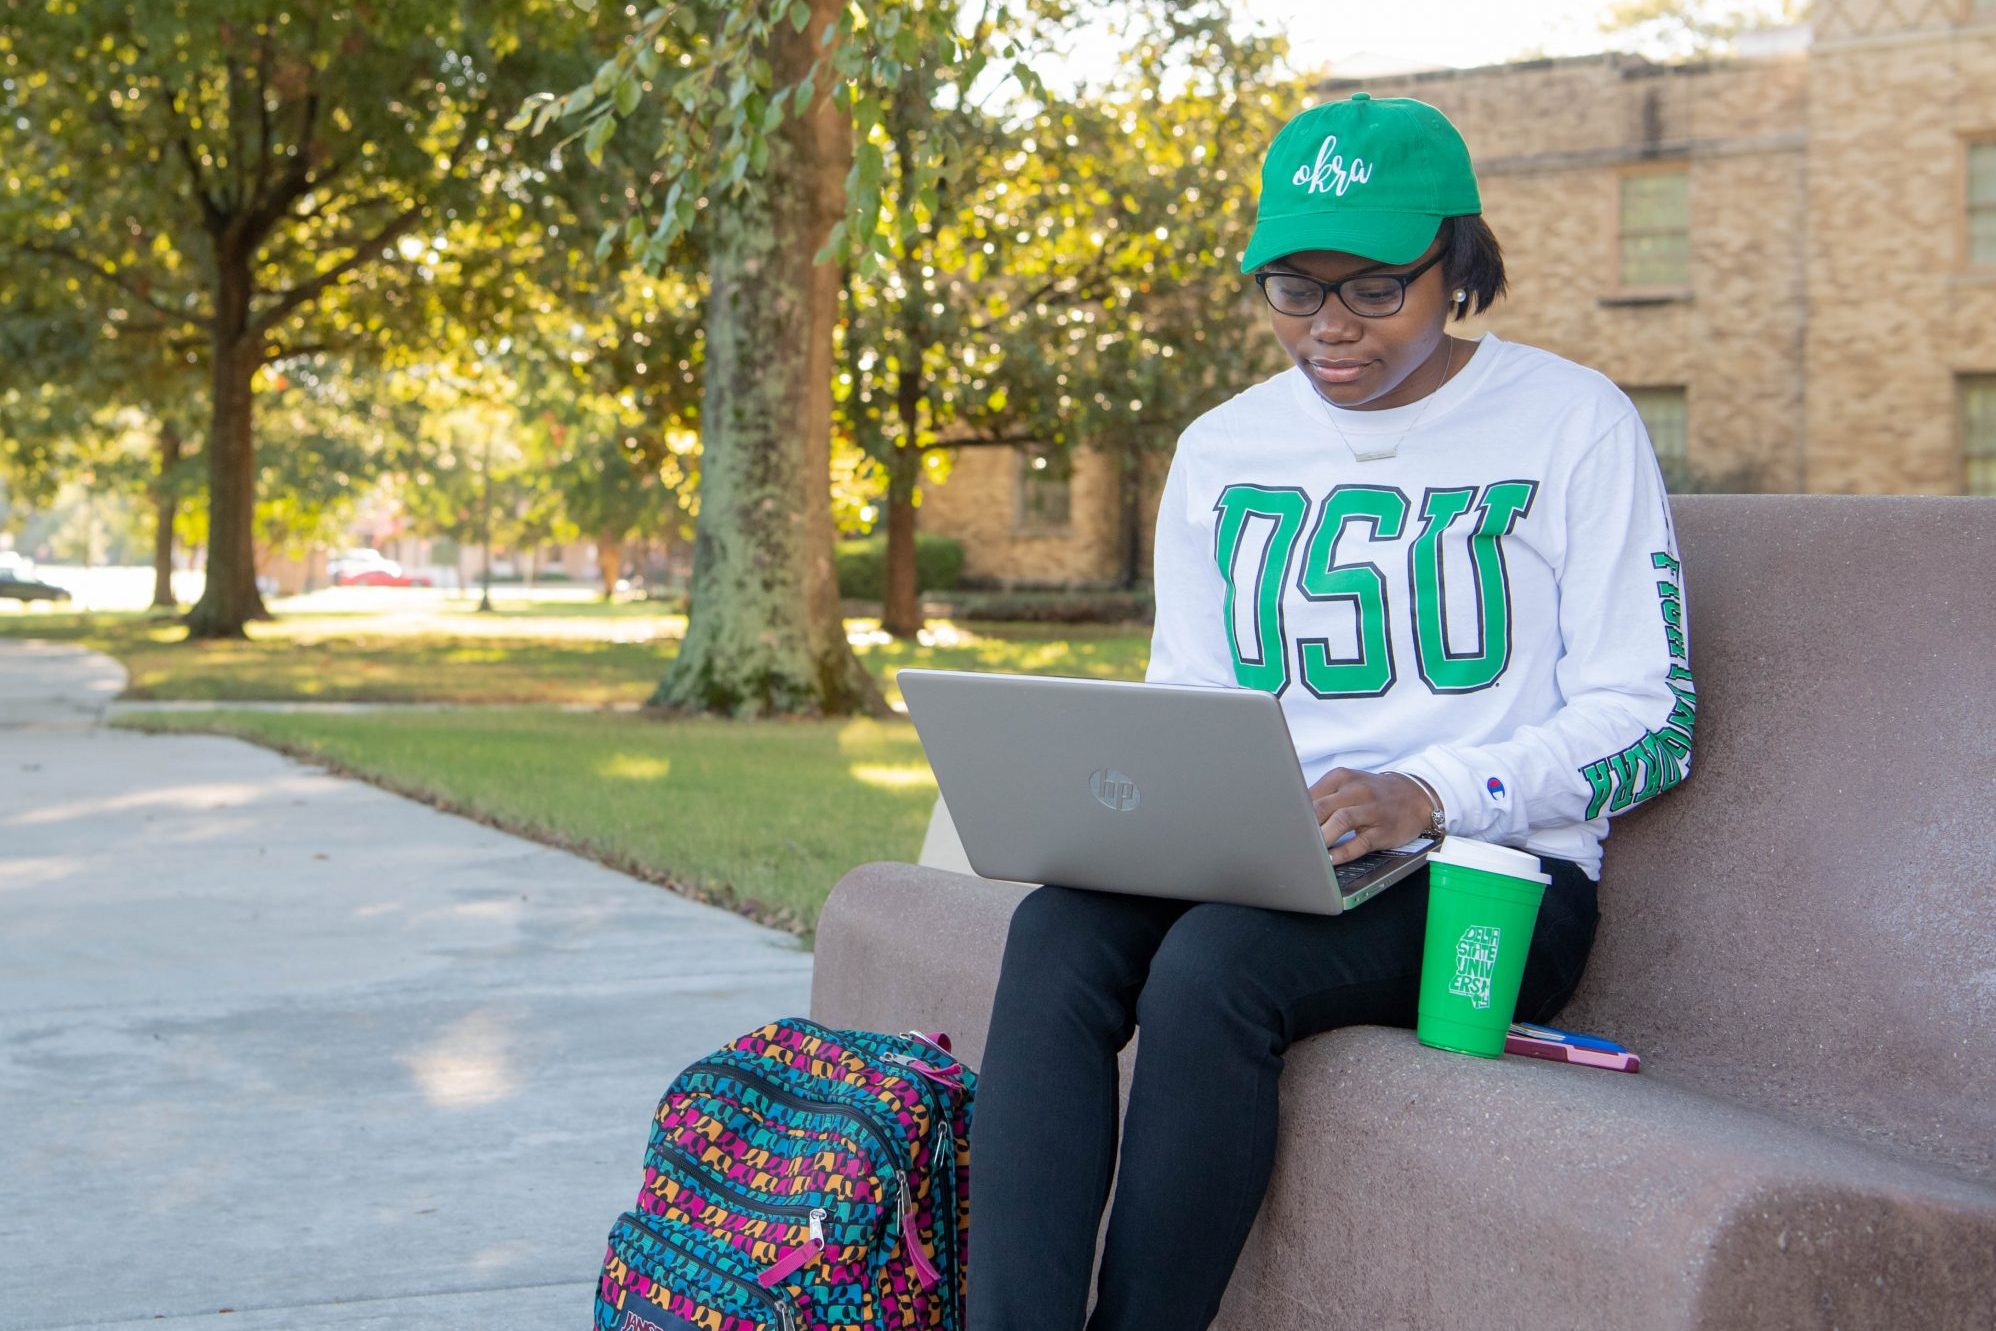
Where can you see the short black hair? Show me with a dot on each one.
(1472, 262)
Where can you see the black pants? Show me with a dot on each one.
(1220, 992)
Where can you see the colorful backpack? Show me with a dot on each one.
(801, 1179)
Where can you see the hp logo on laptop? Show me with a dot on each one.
(1114, 790)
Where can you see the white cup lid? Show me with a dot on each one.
(1490, 858)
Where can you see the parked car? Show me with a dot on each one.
(369, 568)
(19, 583)
(381, 577)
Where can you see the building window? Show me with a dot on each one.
(1982, 203)
(1978, 434)
(1655, 229)
(1662, 410)
(1045, 492)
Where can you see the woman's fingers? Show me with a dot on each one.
(1361, 820)
(1363, 842)
(1334, 780)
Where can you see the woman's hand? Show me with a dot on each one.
(1380, 809)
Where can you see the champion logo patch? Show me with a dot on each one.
(1496, 788)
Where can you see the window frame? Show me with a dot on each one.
(1621, 284)
(1965, 209)
(1678, 477)
(1965, 384)
(1024, 521)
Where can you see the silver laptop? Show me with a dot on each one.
(1160, 790)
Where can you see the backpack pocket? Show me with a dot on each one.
(654, 1280)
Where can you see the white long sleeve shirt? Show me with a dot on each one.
(1495, 606)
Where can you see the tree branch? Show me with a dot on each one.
(211, 207)
(109, 272)
(263, 110)
(238, 146)
(274, 352)
(297, 180)
(310, 289)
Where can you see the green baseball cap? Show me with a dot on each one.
(1371, 176)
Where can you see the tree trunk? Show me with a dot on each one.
(610, 561)
(765, 635)
(166, 508)
(230, 598)
(1130, 513)
(901, 606)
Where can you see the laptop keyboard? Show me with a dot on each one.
(1353, 870)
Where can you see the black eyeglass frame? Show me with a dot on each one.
(1325, 290)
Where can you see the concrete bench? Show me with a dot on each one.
(1801, 942)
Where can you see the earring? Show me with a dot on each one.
(1461, 296)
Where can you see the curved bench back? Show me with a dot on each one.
(1809, 923)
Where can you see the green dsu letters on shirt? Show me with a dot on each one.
(1264, 663)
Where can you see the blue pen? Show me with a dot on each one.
(1573, 1038)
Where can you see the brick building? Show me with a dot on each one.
(1788, 258)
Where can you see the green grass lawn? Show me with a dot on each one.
(528, 654)
(760, 816)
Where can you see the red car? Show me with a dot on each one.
(378, 577)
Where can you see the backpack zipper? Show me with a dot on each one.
(903, 1199)
(786, 1313)
(737, 1192)
(777, 1093)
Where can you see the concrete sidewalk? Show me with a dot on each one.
(280, 1050)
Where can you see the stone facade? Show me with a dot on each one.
(981, 505)
(1897, 92)
(1828, 310)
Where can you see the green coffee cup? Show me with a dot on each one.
(1482, 903)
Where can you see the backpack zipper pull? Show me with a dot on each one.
(818, 1225)
(911, 1242)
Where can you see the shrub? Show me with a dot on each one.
(1065, 606)
(862, 566)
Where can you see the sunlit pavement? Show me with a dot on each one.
(130, 587)
(279, 1050)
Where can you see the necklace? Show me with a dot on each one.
(1375, 453)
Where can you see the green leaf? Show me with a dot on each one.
(834, 246)
(628, 94)
(869, 165)
(800, 15)
(600, 130)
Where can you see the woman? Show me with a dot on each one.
(1453, 563)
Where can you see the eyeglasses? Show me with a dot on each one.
(1370, 295)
